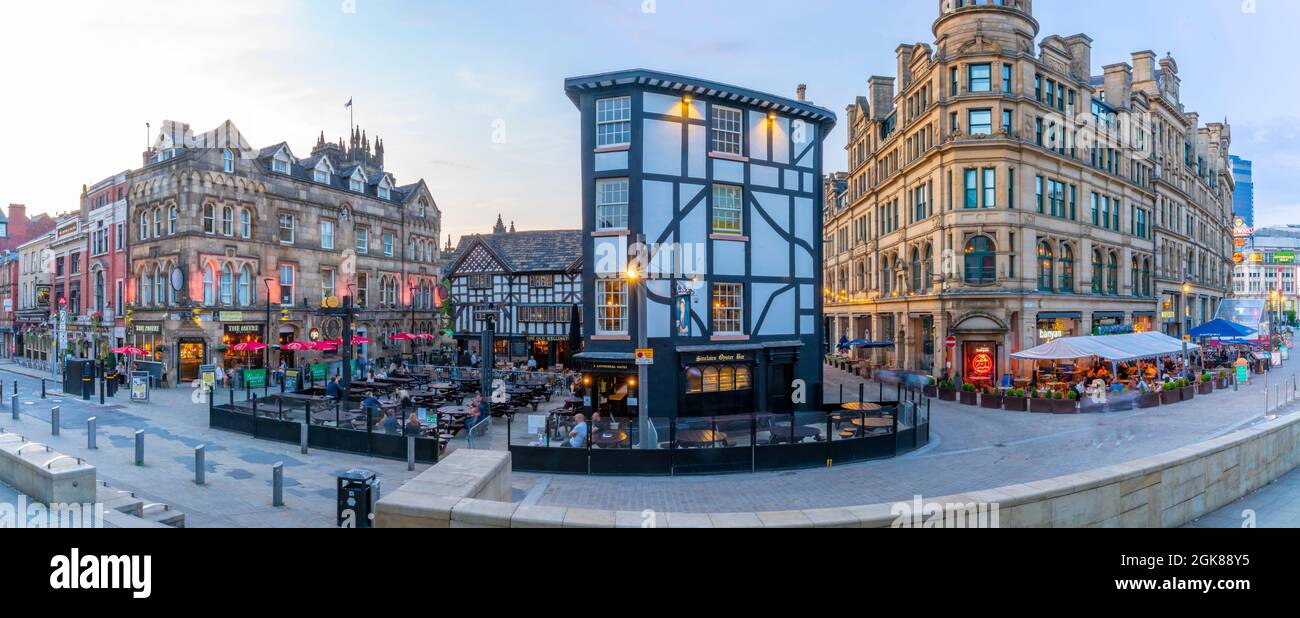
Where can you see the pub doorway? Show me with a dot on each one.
(191, 354)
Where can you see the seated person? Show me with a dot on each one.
(371, 402)
(389, 423)
(578, 436)
(413, 424)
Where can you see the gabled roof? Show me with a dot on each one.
(525, 252)
(576, 86)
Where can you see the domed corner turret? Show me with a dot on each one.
(1008, 22)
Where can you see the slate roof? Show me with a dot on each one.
(523, 252)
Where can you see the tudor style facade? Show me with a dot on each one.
(531, 280)
(724, 184)
(999, 193)
(220, 231)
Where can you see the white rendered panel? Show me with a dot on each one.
(663, 147)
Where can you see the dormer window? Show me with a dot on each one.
(280, 166)
(228, 161)
(356, 185)
(385, 193)
(322, 176)
(323, 172)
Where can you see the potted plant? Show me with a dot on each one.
(1015, 400)
(1148, 400)
(931, 388)
(946, 391)
(1067, 403)
(1206, 387)
(992, 399)
(1041, 403)
(1225, 379)
(1189, 390)
(969, 395)
(1170, 394)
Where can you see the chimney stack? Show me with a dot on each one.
(803, 92)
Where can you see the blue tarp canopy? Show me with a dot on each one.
(1221, 329)
(868, 344)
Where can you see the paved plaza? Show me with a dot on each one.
(970, 449)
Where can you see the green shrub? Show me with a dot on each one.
(968, 387)
(1074, 395)
(1206, 378)
(1169, 387)
(945, 385)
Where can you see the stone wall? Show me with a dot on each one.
(1162, 491)
(43, 475)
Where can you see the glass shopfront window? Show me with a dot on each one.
(718, 385)
(236, 334)
(1050, 329)
(1144, 323)
(148, 337)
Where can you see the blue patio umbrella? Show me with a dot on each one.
(1221, 329)
(859, 343)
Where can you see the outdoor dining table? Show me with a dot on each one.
(862, 406)
(700, 437)
(330, 417)
(607, 439)
(782, 432)
(455, 411)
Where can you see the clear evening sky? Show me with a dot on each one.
(439, 79)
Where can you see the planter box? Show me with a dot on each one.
(1064, 406)
(1189, 393)
(1149, 400)
(1171, 397)
(1205, 388)
(947, 395)
(1224, 384)
(991, 402)
(1041, 406)
(969, 399)
(930, 391)
(1017, 404)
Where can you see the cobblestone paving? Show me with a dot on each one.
(970, 449)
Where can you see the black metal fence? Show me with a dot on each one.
(351, 431)
(750, 443)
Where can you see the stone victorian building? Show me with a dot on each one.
(230, 244)
(999, 193)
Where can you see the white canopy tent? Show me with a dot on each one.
(1114, 348)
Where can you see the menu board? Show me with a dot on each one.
(981, 363)
(291, 377)
(139, 386)
(319, 372)
(208, 374)
(254, 378)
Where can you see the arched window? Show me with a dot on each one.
(209, 219)
(1098, 272)
(228, 221)
(1135, 272)
(171, 292)
(99, 290)
(144, 225)
(172, 214)
(245, 223)
(1046, 266)
(1112, 275)
(1067, 268)
(145, 288)
(159, 296)
(981, 261)
(711, 380)
(1146, 277)
(227, 285)
(228, 161)
(726, 379)
(157, 223)
(916, 270)
(245, 287)
(743, 380)
(928, 275)
(209, 286)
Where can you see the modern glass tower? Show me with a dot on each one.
(1243, 199)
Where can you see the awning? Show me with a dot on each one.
(1119, 348)
(1108, 315)
(1060, 315)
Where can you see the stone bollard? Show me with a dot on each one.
(139, 448)
(54, 421)
(302, 437)
(200, 464)
(14, 402)
(91, 430)
(410, 453)
(277, 484)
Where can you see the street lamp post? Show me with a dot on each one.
(412, 331)
(636, 283)
(266, 352)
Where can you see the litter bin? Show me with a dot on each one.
(79, 378)
(357, 493)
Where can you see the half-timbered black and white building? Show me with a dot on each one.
(723, 184)
(531, 280)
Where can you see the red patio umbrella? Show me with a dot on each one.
(130, 351)
(249, 346)
(403, 337)
(323, 346)
(296, 346)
